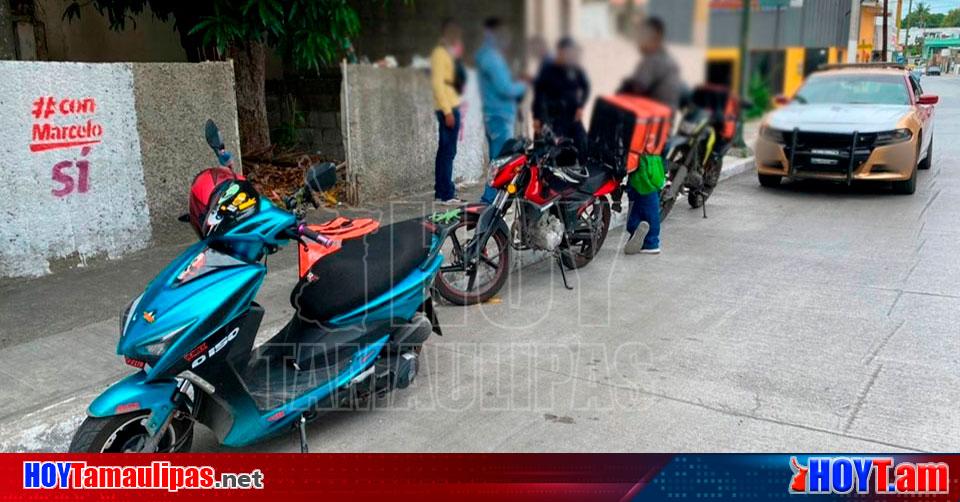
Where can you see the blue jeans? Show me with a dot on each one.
(499, 130)
(645, 208)
(443, 187)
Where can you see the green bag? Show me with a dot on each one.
(649, 177)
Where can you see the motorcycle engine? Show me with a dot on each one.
(546, 233)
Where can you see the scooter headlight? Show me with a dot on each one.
(158, 348)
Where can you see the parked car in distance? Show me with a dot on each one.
(867, 122)
(933, 71)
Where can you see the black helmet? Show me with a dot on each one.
(565, 164)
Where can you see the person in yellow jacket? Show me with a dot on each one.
(447, 78)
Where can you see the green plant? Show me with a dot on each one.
(284, 137)
(758, 89)
(951, 19)
(306, 33)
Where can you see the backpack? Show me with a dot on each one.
(649, 177)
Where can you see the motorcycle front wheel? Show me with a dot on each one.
(461, 284)
(668, 196)
(127, 433)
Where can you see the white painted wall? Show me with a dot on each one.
(53, 205)
(472, 155)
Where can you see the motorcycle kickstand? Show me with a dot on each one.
(704, 206)
(563, 274)
(302, 428)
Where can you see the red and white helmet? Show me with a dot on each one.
(204, 184)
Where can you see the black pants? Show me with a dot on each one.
(443, 187)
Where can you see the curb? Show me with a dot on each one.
(739, 166)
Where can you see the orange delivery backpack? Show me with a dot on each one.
(624, 128)
(723, 106)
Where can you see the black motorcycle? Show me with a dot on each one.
(694, 155)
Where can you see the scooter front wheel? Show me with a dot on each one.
(127, 434)
(460, 283)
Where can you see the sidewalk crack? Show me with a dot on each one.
(861, 399)
(883, 343)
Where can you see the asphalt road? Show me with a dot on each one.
(813, 317)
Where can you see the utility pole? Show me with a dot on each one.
(896, 23)
(853, 38)
(886, 33)
(738, 142)
(906, 37)
(923, 35)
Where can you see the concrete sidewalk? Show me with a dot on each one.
(59, 332)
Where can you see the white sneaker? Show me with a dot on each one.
(635, 244)
(650, 251)
(452, 202)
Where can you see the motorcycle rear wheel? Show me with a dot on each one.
(581, 252)
(458, 285)
(126, 433)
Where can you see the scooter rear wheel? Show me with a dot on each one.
(126, 434)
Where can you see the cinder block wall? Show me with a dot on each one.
(97, 159)
(311, 105)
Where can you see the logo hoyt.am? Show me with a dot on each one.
(877, 475)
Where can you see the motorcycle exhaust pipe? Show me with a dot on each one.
(396, 371)
(411, 334)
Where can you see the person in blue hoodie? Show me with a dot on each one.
(499, 92)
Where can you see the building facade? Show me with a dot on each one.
(788, 39)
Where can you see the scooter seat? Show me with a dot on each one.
(361, 270)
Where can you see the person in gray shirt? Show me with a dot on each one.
(657, 76)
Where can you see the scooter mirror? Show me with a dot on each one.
(321, 177)
(214, 139)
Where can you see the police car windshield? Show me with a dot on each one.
(854, 88)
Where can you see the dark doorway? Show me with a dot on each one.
(812, 59)
(769, 65)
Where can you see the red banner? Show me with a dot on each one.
(334, 477)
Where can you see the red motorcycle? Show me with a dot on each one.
(560, 206)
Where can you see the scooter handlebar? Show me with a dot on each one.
(305, 231)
